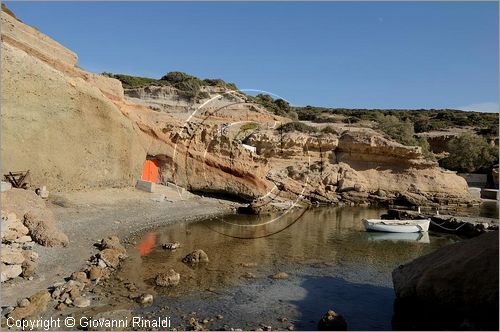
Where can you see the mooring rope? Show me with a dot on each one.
(446, 228)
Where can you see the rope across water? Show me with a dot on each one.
(446, 228)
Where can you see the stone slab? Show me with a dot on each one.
(147, 186)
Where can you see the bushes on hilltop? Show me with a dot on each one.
(296, 126)
(423, 119)
(190, 86)
(130, 82)
(175, 77)
(276, 106)
(469, 153)
(403, 132)
(400, 131)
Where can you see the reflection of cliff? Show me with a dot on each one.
(324, 236)
(74, 129)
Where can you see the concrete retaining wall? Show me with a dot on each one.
(475, 180)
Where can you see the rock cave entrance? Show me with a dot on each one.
(155, 169)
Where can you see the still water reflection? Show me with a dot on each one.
(324, 249)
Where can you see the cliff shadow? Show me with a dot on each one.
(364, 306)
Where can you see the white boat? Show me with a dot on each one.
(396, 226)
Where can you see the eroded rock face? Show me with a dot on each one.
(453, 288)
(76, 136)
(369, 149)
(363, 167)
(271, 143)
(170, 99)
(73, 113)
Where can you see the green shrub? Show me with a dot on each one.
(400, 131)
(189, 84)
(174, 77)
(426, 148)
(279, 106)
(296, 126)
(469, 153)
(293, 115)
(130, 82)
(329, 130)
(423, 119)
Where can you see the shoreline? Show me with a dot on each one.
(87, 217)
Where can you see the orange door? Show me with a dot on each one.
(150, 171)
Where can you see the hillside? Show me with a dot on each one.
(77, 130)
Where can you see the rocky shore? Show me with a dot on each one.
(85, 217)
(56, 251)
(453, 288)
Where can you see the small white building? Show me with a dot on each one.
(250, 148)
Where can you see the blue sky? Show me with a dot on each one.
(335, 54)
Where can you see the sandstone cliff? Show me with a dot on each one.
(56, 121)
(74, 129)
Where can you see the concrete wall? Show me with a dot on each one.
(475, 180)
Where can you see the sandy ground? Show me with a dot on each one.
(86, 217)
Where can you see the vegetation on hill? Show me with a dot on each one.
(6, 10)
(190, 86)
(402, 132)
(423, 120)
(470, 153)
(296, 126)
(400, 125)
(276, 106)
(129, 82)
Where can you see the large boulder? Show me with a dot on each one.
(331, 321)
(38, 220)
(455, 287)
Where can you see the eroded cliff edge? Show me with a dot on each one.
(73, 129)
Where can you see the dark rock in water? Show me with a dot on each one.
(331, 321)
(171, 245)
(453, 288)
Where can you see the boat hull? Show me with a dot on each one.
(396, 226)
